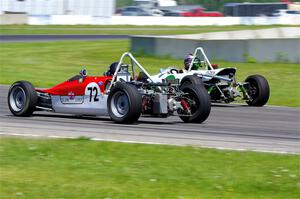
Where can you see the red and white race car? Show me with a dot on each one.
(120, 93)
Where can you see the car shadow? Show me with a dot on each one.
(228, 105)
(107, 119)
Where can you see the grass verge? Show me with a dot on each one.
(32, 168)
(122, 29)
(48, 63)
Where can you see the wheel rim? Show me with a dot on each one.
(192, 101)
(120, 104)
(17, 98)
(253, 90)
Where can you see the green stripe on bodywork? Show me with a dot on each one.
(170, 77)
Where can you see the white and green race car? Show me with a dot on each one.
(220, 83)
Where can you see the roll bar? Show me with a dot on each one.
(133, 61)
(204, 55)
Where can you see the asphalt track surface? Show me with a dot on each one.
(239, 127)
(45, 38)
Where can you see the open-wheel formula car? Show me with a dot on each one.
(220, 83)
(119, 93)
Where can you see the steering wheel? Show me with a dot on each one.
(174, 71)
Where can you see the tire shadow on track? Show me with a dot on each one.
(229, 105)
(105, 119)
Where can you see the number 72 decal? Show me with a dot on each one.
(93, 91)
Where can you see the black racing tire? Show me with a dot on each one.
(22, 98)
(201, 110)
(191, 80)
(258, 89)
(124, 103)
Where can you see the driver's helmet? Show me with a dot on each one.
(111, 69)
(188, 59)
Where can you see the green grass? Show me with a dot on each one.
(32, 168)
(121, 29)
(48, 63)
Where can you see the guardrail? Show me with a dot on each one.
(148, 20)
(6, 19)
(233, 50)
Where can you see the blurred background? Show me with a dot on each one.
(254, 12)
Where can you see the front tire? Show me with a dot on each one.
(22, 98)
(258, 90)
(200, 106)
(124, 103)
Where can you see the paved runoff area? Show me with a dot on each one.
(239, 127)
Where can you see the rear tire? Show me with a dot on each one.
(258, 90)
(22, 98)
(191, 80)
(201, 110)
(124, 103)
